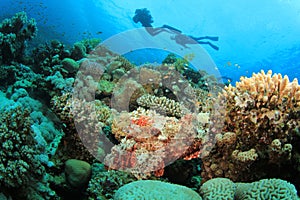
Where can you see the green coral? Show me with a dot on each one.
(150, 190)
(14, 33)
(105, 183)
(17, 160)
(105, 87)
(78, 51)
(70, 65)
(266, 189)
(223, 188)
(91, 43)
(218, 189)
(180, 64)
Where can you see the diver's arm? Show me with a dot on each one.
(154, 31)
(174, 30)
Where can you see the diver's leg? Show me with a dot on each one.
(210, 44)
(212, 38)
(198, 38)
(205, 37)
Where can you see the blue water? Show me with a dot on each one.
(253, 35)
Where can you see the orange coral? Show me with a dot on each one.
(142, 121)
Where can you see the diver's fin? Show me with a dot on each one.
(212, 38)
(213, 46)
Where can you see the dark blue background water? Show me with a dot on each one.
(254, 35)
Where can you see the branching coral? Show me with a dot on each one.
(261, 122)
(104, 183)
(13, 34)
(18, 163)
(161, 104)
(83, 123)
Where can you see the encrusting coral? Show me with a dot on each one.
(261, 123)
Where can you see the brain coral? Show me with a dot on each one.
(266, 189)
(223, 188)
(155, 190)
(261, 127)
(218, 188)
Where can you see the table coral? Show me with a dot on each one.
(261, 121)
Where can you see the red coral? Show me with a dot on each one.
(142, 121)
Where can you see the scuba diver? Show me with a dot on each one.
(144, 17)
(183, 40)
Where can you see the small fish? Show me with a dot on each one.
(99, 32)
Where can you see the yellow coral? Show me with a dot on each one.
(261, 116)
(268, 89)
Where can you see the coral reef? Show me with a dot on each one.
(149, 141)
(18, 163)
(261, 123)
(86, 130)
(14, 33)
(29, 140)
(104, 183)
(167, 123)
